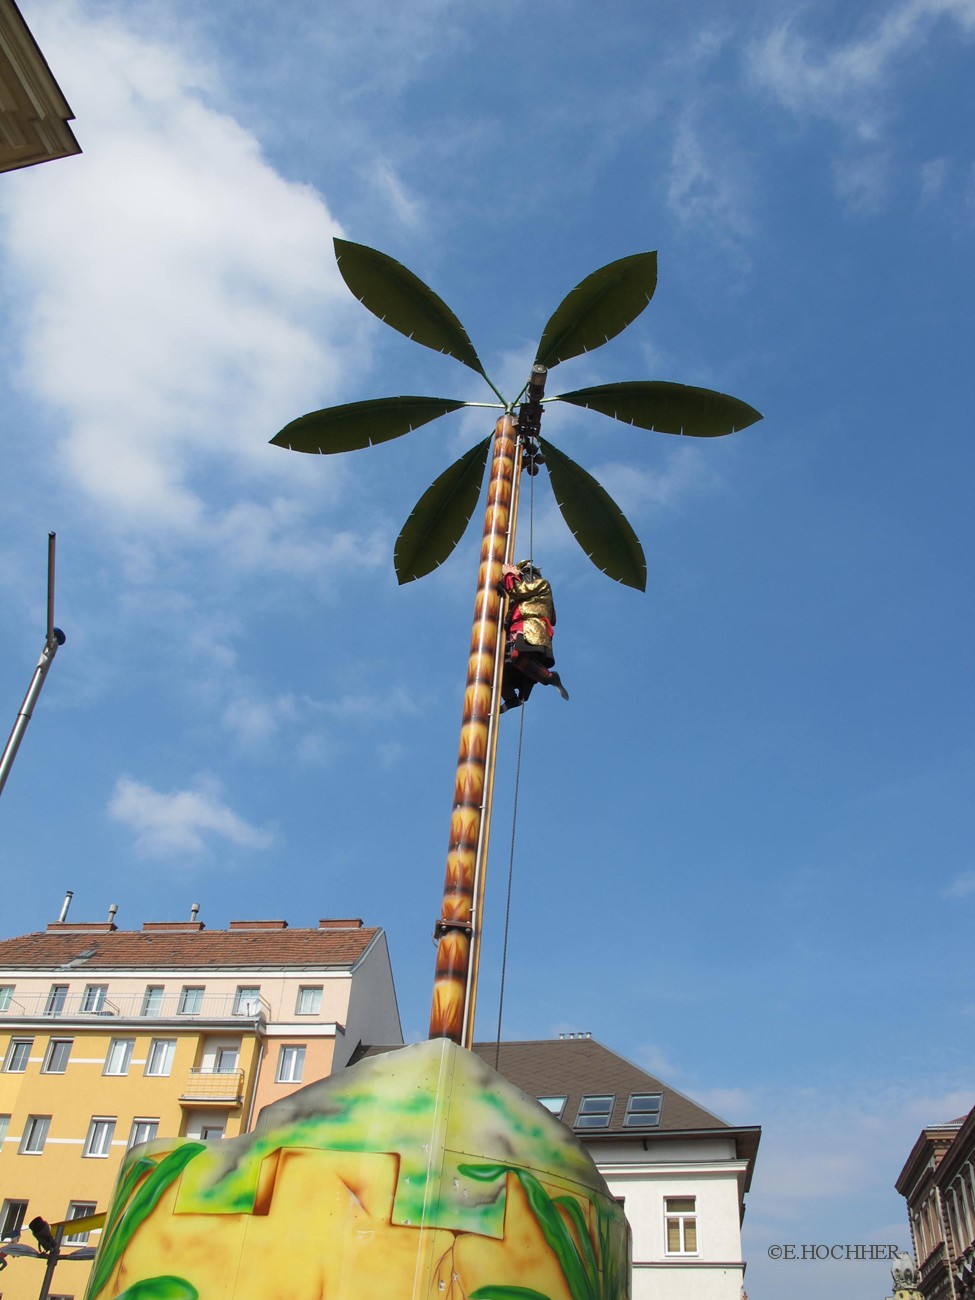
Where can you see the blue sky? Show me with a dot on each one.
(744, 848)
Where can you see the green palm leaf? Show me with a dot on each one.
(441, 515)
(361, 424)
(166, 1287)
(599, 308)
(402, 300)
(596, 521)
(668, 408)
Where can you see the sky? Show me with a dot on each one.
(741, 854)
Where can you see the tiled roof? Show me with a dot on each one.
(134, 949)
(582, 1067)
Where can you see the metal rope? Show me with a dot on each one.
(507, 909)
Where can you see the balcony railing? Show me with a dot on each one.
(137, 1006)
(226, 1086)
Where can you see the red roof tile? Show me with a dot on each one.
(161, 949)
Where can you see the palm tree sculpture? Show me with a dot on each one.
(594, 312)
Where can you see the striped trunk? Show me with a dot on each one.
(458, 929)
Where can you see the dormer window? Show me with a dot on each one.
(643, 1110)
(595, 1111)
(554, 1104)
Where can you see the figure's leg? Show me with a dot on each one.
(533, 668)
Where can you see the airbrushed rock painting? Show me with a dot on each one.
(419, 1172)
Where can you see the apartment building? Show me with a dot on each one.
(680, 1172)
(111, 1037)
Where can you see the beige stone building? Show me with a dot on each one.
(938, 1183)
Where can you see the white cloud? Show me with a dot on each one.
(706, 185)
(847, 83)
(407, 209)
(253, 720)
(962, 886)
(179, 297)
(181, 823)
(934, 173)
(686, 471)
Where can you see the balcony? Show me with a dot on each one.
(136, 1006)
(213, 1087)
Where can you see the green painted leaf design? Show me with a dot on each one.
(599, 308)
(503, 1292)
(143, 1202)
(440, 517)
(667, 408)
(578, 1220)
(135, 1171)
(596, 521)
(557, 1234)
(401, 299)
(166, 1287)
(361, 424)
(484, 1173)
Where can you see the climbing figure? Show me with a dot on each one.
(530, 622)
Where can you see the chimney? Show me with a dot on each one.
(64, 907)
(194, 911)
(112, 913)
(341, 923)
(258, 925)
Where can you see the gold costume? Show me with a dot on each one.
(533, 612)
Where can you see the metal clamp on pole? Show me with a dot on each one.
(53, 640)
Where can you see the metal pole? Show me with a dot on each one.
(52, 1260)
(55, 638)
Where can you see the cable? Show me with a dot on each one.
(507, 909)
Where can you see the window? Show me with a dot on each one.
(99, 1139)
(595, 1112)
(152, 1000)
(4, 1125)
(191, 1000)
(94, 998)
(160, 1059)
(309, 1000)
(12, 1215)
(681, 1217)
(643, 1110)
(79, 1210)
(226, 1060)
(58, 1051)
(18, 1054)
(555, 1104)
(291, 1064)
(143, 1130)
(248, 1000)
(56, 999)
(119, 1056)
(211, 1131)
(35, 1135)
(6, 993)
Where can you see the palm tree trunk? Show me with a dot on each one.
(451, 1014)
